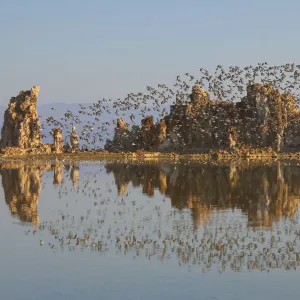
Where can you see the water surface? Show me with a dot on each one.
(112, 230)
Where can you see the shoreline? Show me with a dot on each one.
(214, 156)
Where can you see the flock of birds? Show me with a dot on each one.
(96, 121)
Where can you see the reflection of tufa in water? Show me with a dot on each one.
(21, 183)
(58, 172)
(213, 232)
(22, 187)
(205, 234)
(264, 192)
(74, 174)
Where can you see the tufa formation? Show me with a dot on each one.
(74, 141)
(264, 118)
(21, 131)
(57, 146)
(21, 127)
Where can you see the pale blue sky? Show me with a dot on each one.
(81, 51)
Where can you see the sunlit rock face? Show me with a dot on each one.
(57, 146)
(199, 97)
(21, 127)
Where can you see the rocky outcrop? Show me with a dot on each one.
(124, 139)
(147, 137)
(21, 127)
(121, 136)
(21, 131)
(264, 118)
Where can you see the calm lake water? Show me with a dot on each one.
(149, 230)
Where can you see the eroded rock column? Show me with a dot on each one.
(57, 146)
(21, 127)
(74, 141)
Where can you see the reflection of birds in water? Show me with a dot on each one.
(186, 185)
(227, 84)
(110, 227)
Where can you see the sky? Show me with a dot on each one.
(82, 51)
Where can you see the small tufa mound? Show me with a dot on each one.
(57, 146)
(74, 141)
